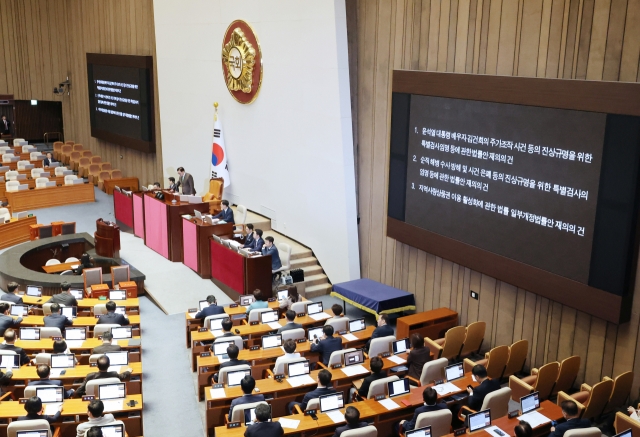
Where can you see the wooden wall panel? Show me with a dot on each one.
(44, 41)
(576, 39)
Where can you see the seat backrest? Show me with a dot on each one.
(208, 319)
(12, 186)
(517, 356)
(592, 431)
(293, 334)
(92, 276)
(365, 431)
(339, 324)
(621, 390)
(22, 165)
(254, 315)
(241, 214)
(235, 338)
(75, 155)
(280, 365)
(381, 345)
(7, 352)
(30, 390)
(69, 143)
(28, 425)
(57, 145)
(313, 404)
(498, 402)
(46, 308)
(116, 174)
(98, 330)
(45, 231)
(77, 147)
(567, 375)
(42, 182)
(379, 386)
(105, 166)
(35, 172)
(84, 161)
(336, 357)
(43, 358)
(59, 171)
(93, 358)
(238, 410)
(498, 357)
(299, 307)
(433, 371)
(17, 140)
(216, 186)
(104, 175)
(222, 376)
(473, 338)
(96, 159)
(94, 169)
(52, 262)
(86, 153)
(547, 376)
(4, 215)
(71, 259)
(93, 385)
(598, 399)
(68, 179)
(440, 422)
(99, 308)
(120, 274)
(11, 175)
(453, 340)
(7, 157)
(284, 250)
(49, 331)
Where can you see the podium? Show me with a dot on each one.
(107, 239)
(197, 254)
(236, 274)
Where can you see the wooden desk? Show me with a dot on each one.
(59, 268)
(195, 242)
(14, 165)
(16, 232)
(48, 197)
(59, 180)
(432, 324)
(236, 274)
(130, 184)
(134, 320)
(31, 300)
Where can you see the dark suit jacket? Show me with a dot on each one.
(380, 331)
(248, 240)
(211, 310)
(104, 348)
(275, 256)
(187, 184)
(563, 427)
(24, 358)
(100, 375)
(343, 428)
(479, 393)
(47, 162)
(264, 429)
(5, 128)
(416, 360)
(49, 419)
(7, 322)
(314, 394)
(174, 187)
(410, 424)
(326, 347)
(256, 245)
(288, 326)
(65, 299)
(364, 388)
(245, 399)
(113, 318)
(11, 297)
(57, 321)
(226, 215)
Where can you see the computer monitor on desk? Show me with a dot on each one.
(54, 164)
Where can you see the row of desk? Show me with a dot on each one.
(16, 231)
(48, 197)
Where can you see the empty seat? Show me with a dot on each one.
(567, 374)
(7, 157)
(103, 176)
(620, 392)
(67, 229)
(65, 153)
(12, 186)
(11, 175)
(473, 338)
(96, 159)
(517, 356)
(22, 165)
(68, 179)
(52, 262)
(57, 148)
(59, 171)
(77, 148)
(17, 140)
(74, 160)
(87, 154)
(42, 182)
(35, 172)
(4, 215)
(450, 346)
(541, 380)
(83, 167)
(34, 156)
(94, 171)
(116, 174)
(105, 166)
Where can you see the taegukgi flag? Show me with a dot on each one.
(219, 167)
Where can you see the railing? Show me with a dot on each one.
(59, 135)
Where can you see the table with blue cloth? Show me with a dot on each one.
(374, 297)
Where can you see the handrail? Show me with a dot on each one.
(46, 134)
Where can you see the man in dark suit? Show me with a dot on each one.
(33, 407)
(247, 385)
(10, 295)
(477, 395)
(258, 242)
(48, 160)
(113, 317)
(352, 416)
(226, 214)
(9, 340)
(271, 249)
(212, 310)
(328, 345)
(103, 372)
(324, 388)
(6, 321)
(291, 316)
(57, 320)
(383, 329)
(106, 345)
(376, 373)
(43, 372)
(172, 185)
(249, 238)
(430, 398)
(226, 326)
(5, 126)
(262, 427)
(232, 351)
(65, 298)
(186, 181)
(571, 414)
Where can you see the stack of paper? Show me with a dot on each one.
(389, 404)
(56, 372)
(492, 431)
(336, 416)
(319, 316)
(356, 369)
(274, 325)
(446, 388)
(113, 405)
(297, 381)
(350, 337)
(396, 359)
(52, 408)
(288, 423)
(217, 393)
(534, 419)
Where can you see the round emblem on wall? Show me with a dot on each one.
(242, 62)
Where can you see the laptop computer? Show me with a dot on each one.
(75, 334)
(250, 416)
(314, 308)
(269, 341)
(401, 346)
(113, 430)
(112, 391)
(315, 332)
(50, 394)
(353, 357)
(19, 310)
(29, 333)
(198, 214)
(479, 420)
(69, 312)
(215, 324)
(35, 433)
(298, 368)
(453, 372)
(77, 293)
(626, 433)
(220, 347)
(234, 378)
(246, 300)
(8, 361)
(117, 294)
(62, 361)
(529, 403)
(331, 402)
(34, 291)
(356, 325)
(121, 310)
(420, 432)
(118, 358)
(203, 304)
(122, 332)
(283, 294)
(269, 316)
(398, 388)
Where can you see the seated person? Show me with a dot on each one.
(232, 351)
(262, 427)
(212, 310)
(289, 347)
(247, 385)
(383, 329)
(523, 429)
(270, 249)
(257, 243)
(6, 320)
(103, 372)
(249, 237)
(9, 344)
(337, 312)
(376, 365)
(85, 263)
(112, 317)
(106, 345)
(10, 295)
(292, 297)
(34, 409)
(95, 413)
(352, 416)
(477, 395)
(94, 431)
(633, 413)
(46, 162)
(60, 347)
(571, 414)
(418, 356)
(430, 398)
(157, 186)
(226, 325)
(291, 324)
(65, 297)
(43, 372)
(226, 214)
(327, 345)
(324, 388)
(259, 303)
(56, 319)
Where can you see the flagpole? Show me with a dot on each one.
(215, 114)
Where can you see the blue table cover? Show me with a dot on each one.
(374, 297)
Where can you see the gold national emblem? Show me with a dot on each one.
(242, 62)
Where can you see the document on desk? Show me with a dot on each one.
(349, 337)
(274, 325)
(113, 405)
(492, 431)
(446, 388)
(389, 404)
(297, 381)
(217, 393)
(52, 408)
(192, 315)
(217, 333)
(356, 369)
(535, 419)
(74, 344)
(336, 416)
(396, 359)
(56, 372)
(288, 423)
(319, 316)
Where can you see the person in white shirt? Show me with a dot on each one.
(289, 347)
(633, 413)
(96, 417)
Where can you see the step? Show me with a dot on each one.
(317, 290)
(298, 263)
(301, 253)
(312, 270)
(316, 279)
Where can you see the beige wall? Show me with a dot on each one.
(43, 41)
(578, 39)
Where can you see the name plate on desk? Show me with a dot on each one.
(380, 397)
(271, 299)
(203, 330)
(438, 381)
(460, 431)
(192, 310)
(233, 425)
(218, 385)
(343, 332)
(384, 355)
(310, 412)
(254, 323)
(513, 414)
(23, 400)
(279, 377)
(56, 338)
(88, 398)
(301, 340)
(205, 354)
(254, 348)
(301, 314)
(233, 305)
(336, 366)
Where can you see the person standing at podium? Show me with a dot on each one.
(226, 214)
(186, 181)
(271, 249)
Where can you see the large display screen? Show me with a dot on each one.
(121, 100)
